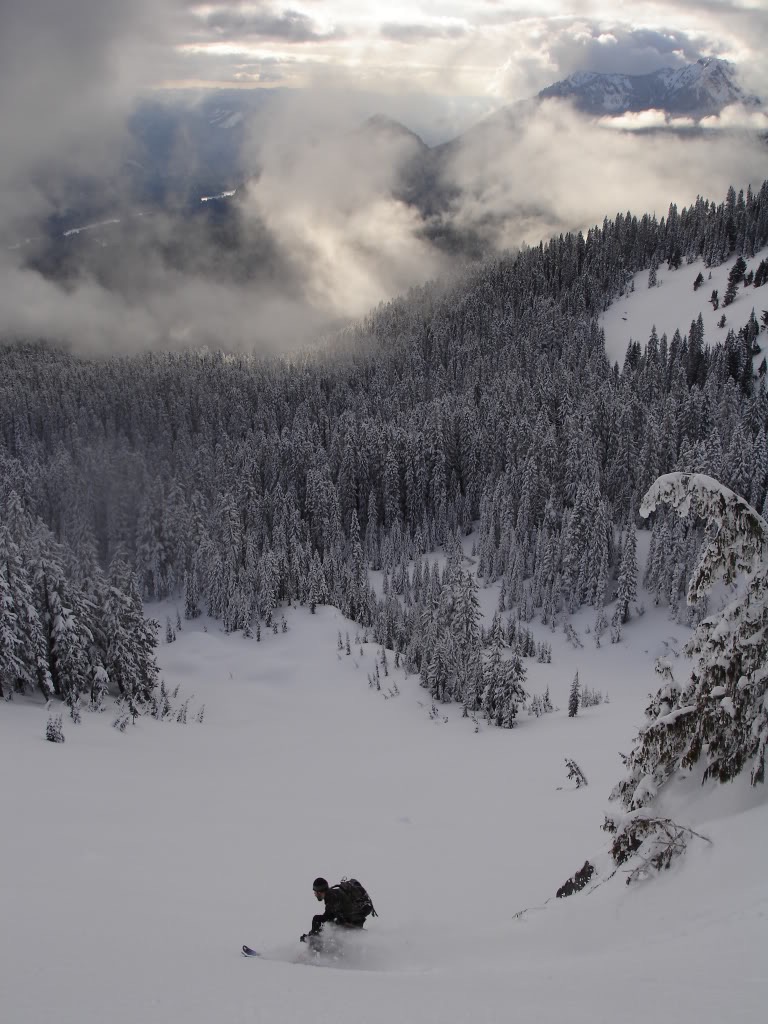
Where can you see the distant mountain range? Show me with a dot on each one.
(697, 90)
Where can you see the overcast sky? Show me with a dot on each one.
(505, 51)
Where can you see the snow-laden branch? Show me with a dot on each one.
(718, 719)
(739, 538)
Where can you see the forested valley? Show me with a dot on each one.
(240, 484)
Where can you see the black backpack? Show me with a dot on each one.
(357, 900)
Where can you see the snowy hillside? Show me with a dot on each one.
(673, 304)
(136, 864)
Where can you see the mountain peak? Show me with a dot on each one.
(695, 90)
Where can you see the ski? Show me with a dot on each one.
(312, 958)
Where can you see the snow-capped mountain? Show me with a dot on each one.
(696, 90)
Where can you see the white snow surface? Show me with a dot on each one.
(136, 865)
(673, 304)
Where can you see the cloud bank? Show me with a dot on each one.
(338, 217)
(549, 170)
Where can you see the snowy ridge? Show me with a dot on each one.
(699, 89)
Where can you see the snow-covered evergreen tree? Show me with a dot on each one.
(627, 584)
(503, 682)
(130, 639)
(717, 720)
(574, 697)
(21, 640)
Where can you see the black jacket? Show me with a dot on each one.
(338, 908)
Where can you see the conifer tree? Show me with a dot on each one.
(64, 618)
(627, 583)
(23, 649)
(735, 277)
(130, 639)
(511, 693)
(191, 593)
(574, 697)
(716, 721)
(11, 664)
(491, 700)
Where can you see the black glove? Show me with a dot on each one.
(303, 938)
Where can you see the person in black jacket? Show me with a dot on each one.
(338, 908)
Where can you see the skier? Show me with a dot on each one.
(346, 904)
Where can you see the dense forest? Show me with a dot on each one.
(240, 483)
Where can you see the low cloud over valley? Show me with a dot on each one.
(332, 213)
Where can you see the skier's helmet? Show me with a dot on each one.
(320, 885)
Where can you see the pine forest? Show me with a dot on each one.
(240, 485)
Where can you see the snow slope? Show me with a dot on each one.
(673, 304)
(136, 864)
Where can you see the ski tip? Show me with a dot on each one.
(247, 951)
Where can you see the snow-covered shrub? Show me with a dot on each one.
(652, 843)
(53, 729)
(575, 773)
(160, 703)
(540, 704)
(577, 882)
(74, 705)
(121, 721)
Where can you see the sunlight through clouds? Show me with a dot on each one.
(342, 221)
(477, 46)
